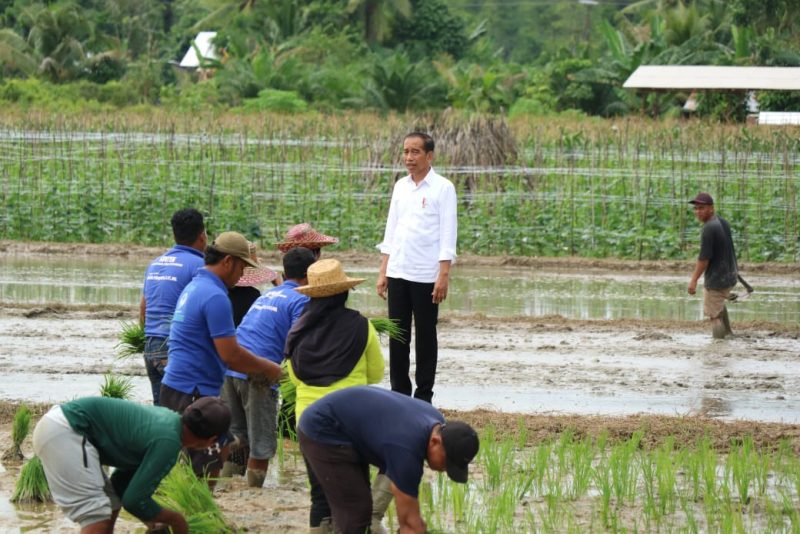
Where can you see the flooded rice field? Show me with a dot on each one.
(513, 339)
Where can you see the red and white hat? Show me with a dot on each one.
(303, 235)
(256, 276)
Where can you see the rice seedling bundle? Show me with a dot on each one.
(131, 339)
(183, 492)
(389, 327)
(32, 484)
(20, 428)
(116, 386)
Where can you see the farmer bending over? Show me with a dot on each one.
(75, 440)
(346, 431)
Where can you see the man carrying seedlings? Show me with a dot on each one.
(717, 262)
(76, 439)
(419, 245)
(254, 402)
(164, 280)
(346, 431)
(202, 340)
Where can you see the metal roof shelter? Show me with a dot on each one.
(700, 77)
(201, 43)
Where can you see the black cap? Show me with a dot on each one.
(207, 417)
(460, 445)
(702, 199)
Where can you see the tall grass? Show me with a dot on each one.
(589, 188)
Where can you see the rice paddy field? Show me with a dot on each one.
(603, 404)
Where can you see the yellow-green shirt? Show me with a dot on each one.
(368, 370)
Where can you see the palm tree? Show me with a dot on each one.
(377, 14)
(16, 56)
(58, 34)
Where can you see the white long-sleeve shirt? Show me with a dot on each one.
(421, 228)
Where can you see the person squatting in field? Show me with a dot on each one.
(346, 431)
(76, 439)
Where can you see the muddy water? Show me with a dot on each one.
(491, 291)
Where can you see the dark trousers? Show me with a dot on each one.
(407, 299)
(320, 509)
(344, 477)
(155, 361)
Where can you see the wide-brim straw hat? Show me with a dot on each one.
(327, 278)
(303, 235)
(256, 276)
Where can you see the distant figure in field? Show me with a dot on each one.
(164, 280)
(76, 439)
(419, 245)
(254, 402)
(202, 341)
(716, 263)
(345, 432)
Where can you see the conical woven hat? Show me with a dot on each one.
(327, 278)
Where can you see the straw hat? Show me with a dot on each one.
(256, 276)
(326, 278)
(303, 235)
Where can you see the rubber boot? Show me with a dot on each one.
(256, 477)
(381, 498)
(727, 322)
(325, 527)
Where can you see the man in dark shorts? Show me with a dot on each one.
(165, 278)
(346, 431)
(76, 439)
(716, 263)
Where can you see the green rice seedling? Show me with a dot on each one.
(665, 478)
(131, 339)
(19, 431)
(32, 484)
(581, 456)
(390, 327)
(288, 393)
(116, 386)
(183, 492)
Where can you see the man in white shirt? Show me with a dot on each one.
(419, 245)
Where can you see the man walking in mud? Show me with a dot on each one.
(716, 263)
(164, 280)
(419, 245)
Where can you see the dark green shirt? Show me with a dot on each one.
(141, 442)
(716, 246)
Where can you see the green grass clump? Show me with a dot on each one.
(19, 431)
(183, 492)
(117, 387)
(389, 327)
(32, 484)
(131, 339)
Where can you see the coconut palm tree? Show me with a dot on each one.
(58, 34)
(16, 55)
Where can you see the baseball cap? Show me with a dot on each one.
(207, 417)
(460, 445)
(236, 245)
(703, 198)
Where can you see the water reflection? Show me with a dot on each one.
(490, 291)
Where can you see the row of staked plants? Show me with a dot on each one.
(572, 484)
(580, 188)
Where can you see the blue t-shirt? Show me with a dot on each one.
(389, 430)
(263, 330)
(203, 314)
(164, 280)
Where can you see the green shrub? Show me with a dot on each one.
(276, 101)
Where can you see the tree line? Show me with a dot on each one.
(489, 56)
